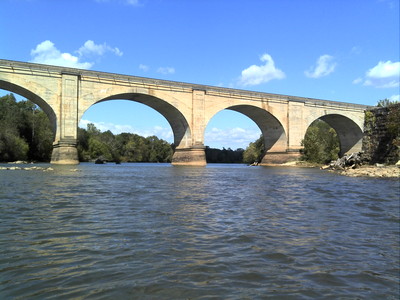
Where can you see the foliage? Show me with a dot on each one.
(369, 120)
(25, 131)
(125, 147)
(321, 144)
(393, 117)
(25, 134)
(386, 102)
(393, 123)
(255, 151)
(214, 155)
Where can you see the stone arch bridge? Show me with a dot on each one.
(64, 94)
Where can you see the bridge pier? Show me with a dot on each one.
(271, 158)
(65, 153)
(194, 156)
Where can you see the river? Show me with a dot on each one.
(155, 231)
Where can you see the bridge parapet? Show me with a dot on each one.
(129, 80)
(66, 93)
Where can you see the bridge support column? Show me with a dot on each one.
(64, 147)
(65, 153)
(271, 158)
(194, 156)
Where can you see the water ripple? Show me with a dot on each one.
(147, 231)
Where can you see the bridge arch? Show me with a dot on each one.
(32, 94)
(177, 121)
(65, 94)
(350, 134)
(274, 134)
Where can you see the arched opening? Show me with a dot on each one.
(330, 137)
(174, 117)
(248, 127)
(31, 96)
(321, 143)
(227, 135)
(349, 133)
(131, 127)
(271, 129)
(26, 130)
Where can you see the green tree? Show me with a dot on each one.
(255, 151)
(321, 144)
(25, 131)
(386, 102)
(12, 147)
(126, 147)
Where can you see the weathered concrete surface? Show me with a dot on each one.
(194, 156)
(381, 143)
(65, 94)
(65, 153)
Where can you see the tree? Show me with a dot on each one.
(126, 147)
(321, 144)
(25, 131)
(26, 134)
(386, 102)
(255, 151)
(12, 147)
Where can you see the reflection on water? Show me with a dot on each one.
(225, 231)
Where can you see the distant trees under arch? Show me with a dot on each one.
(25, 131)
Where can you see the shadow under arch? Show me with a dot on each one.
(272, 130)
(178, 123)
(349, 133)
(29, 95)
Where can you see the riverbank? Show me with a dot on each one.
(380, 171)
(371, 171)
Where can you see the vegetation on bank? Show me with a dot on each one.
(124, 147)
(26, 134)
(381, 142)
(321, 143)
(25, 131)
(393, 123)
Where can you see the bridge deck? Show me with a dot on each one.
(17, 66)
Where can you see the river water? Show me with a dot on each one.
(155, 231)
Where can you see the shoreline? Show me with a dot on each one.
(374, 171)
(381, 171)
(391, 171)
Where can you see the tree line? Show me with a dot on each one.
(25, 131)
(26, 134)
(123, 147)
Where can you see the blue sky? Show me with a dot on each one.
(342, 50)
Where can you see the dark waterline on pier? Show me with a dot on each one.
(154, 231)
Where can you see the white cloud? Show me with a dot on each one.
(254, 74)
(166, 70)
(384, 69)
(215, 137)
(232, 137)
(356, 50)
(47, 53)
(132, 2)
(90, 48)
(324, 66)
(128, 2)
(395, 98)
(160, 132)
(144, 68)
(383, 75)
